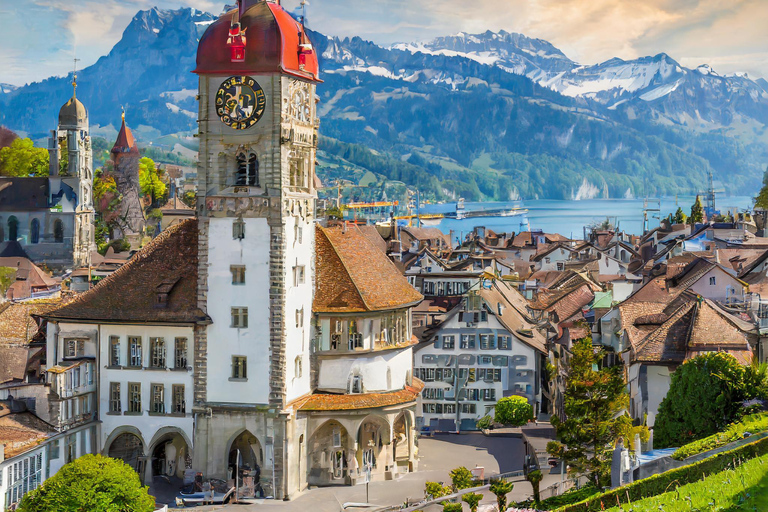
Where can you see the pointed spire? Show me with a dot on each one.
(74, 79)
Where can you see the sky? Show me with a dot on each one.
(39, 38)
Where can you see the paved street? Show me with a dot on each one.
(437, 456)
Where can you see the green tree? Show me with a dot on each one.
(91, 483)
(461, 478)
(501, 488)
(513, 410)
(697, 212)
(7, 278)
(23, 159)
(680, 217)
(594, 400)
(761, 201)
(473, 500)
(451, 507)
(704, 396)
(151, 180)
(436, 490)
(189, 198)
(535, 478)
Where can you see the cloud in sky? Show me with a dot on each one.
(37, 36)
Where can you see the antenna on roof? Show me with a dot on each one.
(74, 74)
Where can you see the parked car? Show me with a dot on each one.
(190, 496)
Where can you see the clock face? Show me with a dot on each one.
(240, 102)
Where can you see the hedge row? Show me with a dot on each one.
(663, 482)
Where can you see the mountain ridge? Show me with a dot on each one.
(465, 123)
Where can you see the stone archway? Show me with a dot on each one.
(170, 452)
(330, 454)
(401, 442)
(245, 460)
(128, 447)
(374, 436)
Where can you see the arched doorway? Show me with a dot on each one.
(401, 443)
(130, 449)
(246, 460)
(170, 454)
(13, 228)
(331, 456)
(372, 439)
(58, 231)
(34, 231)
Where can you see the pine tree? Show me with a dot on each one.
(594, 401)
(697, 212)
(680, 217)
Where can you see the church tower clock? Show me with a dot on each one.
(256, 201)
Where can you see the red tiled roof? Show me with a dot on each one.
(354, 276)
(125, 142)
(331, 402)
(18, 326)
(168, 264)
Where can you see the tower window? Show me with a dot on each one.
(238, 274)
(58, 231)
(247, 170)
(34, 231)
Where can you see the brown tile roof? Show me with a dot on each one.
(13, 363)
(21, 431)
(354, 276)
(125, 142)
(513, 315)
(373, 236)
(332, 402)
(424, 234)
(167, 264)
(695, 327)
(18, 326)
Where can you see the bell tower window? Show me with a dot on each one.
(247, 170)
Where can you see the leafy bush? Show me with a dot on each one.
(735, 431)
(705, 395)
(513, 410)
(436, 490)
(461, 478)
(93, 483)
(473, 500)
(485, 422)
(501, 488)
(659, 484)
(452, 507)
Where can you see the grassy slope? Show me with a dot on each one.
(745, 488)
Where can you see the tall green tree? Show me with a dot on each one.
(151, 181)
(761, 201)
(461, 478)
(22, 159)
(535, 478)
(93, 483)
(697, 212)
(680, 217)
(594, 401)
(704, 396)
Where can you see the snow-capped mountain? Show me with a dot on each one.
(7, 88)
(492, 115)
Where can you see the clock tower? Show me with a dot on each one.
(256, 202)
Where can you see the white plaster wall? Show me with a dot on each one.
(335, 371)
(559, 255)
(659, 378)
(622, 290)
(718, 291)
(146, 424)
(298, 297)
(224, 341)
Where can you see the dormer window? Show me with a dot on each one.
(163, 290)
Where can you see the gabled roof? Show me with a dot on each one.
(696, 327)
(512, 316)
(131, 293)
(13, 363)
(373, 236)
(549, 250)
(19, 324)
(352, 275)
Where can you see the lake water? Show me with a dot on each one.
(568, 218)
